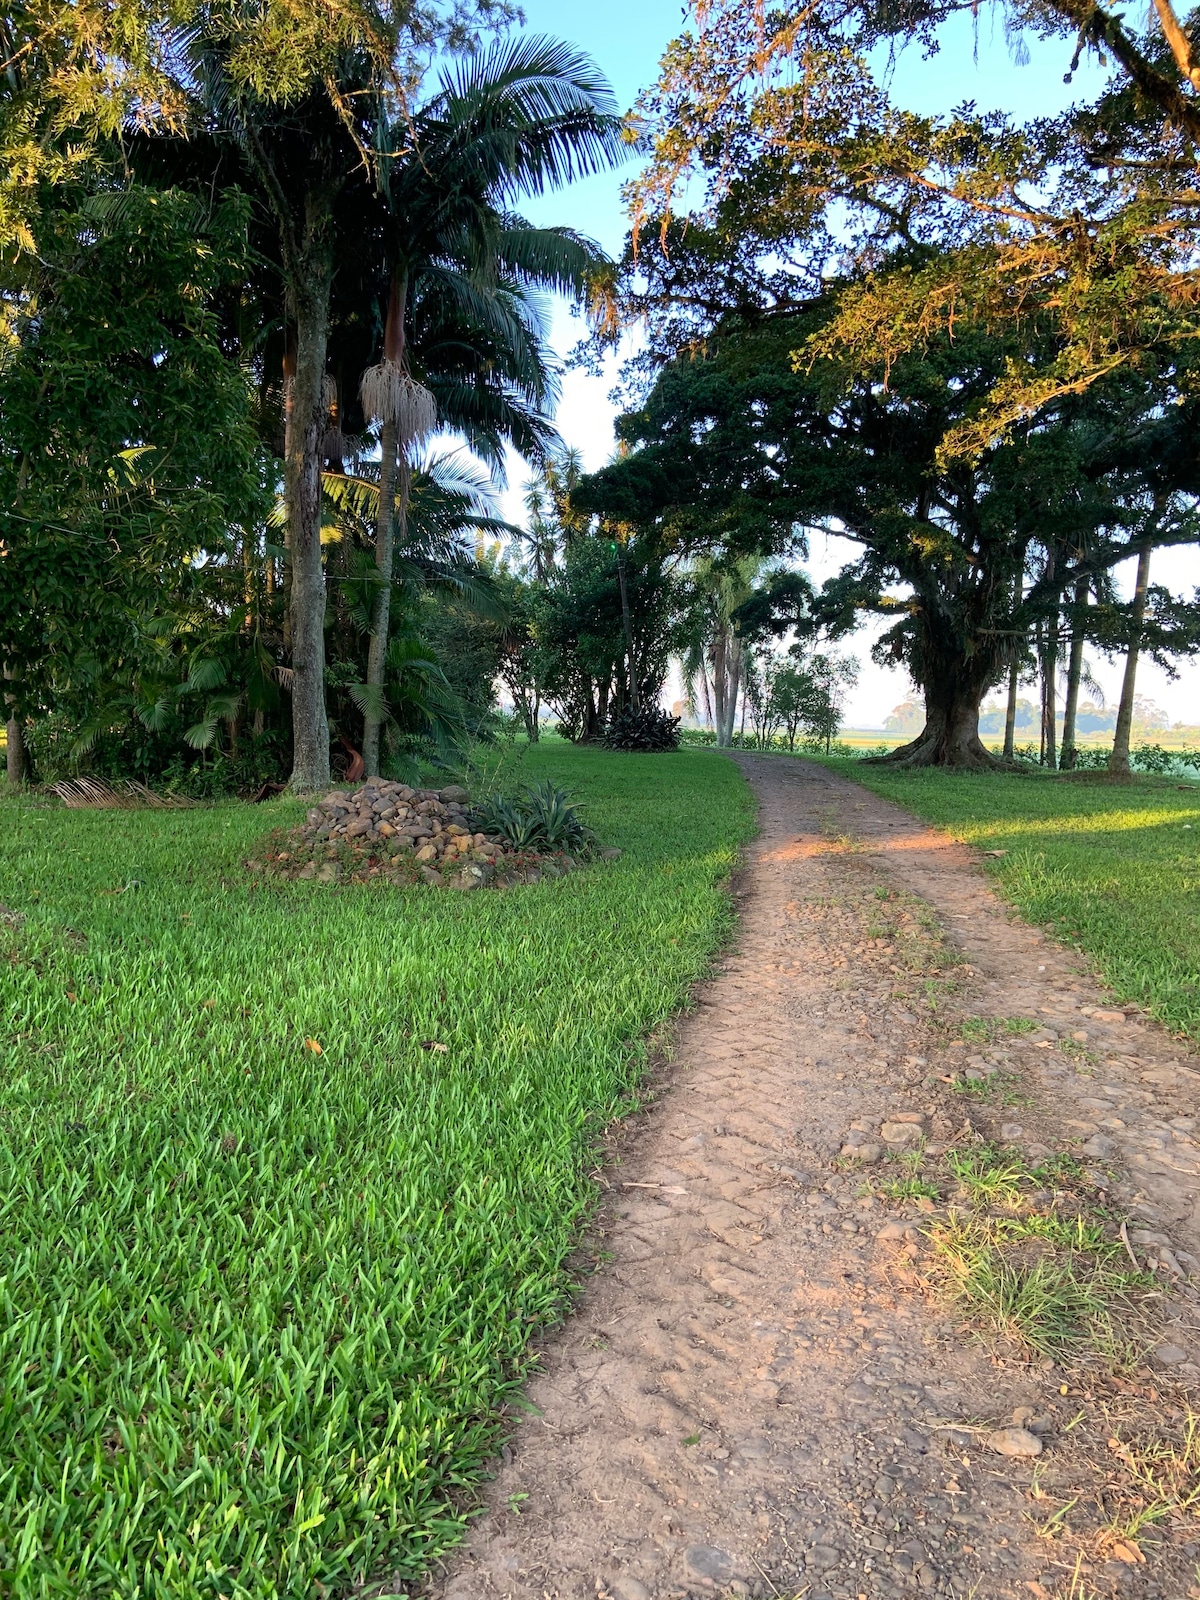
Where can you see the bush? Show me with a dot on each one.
(1153, 758)
(1091, 758)
(157, 759)
(539, 818)
(651, 728)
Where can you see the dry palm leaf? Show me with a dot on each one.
(94, 794)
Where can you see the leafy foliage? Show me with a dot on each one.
(650, 728)
(582, 655)
(129, 467)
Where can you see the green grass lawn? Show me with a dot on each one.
(1114, 869)
(258, 1304)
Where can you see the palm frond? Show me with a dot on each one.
(551, 258)
(536, 112)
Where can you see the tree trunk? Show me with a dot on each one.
(1074, 674)
(248, 579)
(950, 737)
(1049, 694)
(707, 705)
(719, 683)
(631, 659)
(381, 611)
(1118, 762)
(1010, 715)
(733, 681)
(390, 521)
(14, 733)
(1014, 679)
(289, 389)
(304, 433)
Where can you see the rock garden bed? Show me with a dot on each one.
(392, 832)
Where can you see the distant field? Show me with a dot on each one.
(1114, 869)
(291, 1173)
(1168, 738)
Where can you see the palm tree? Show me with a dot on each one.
(448, 507)
(302, 105)
(463, 341)
(552, 520)
(715, 654)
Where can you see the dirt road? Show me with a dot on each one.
(758, 1394)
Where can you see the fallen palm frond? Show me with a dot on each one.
(96, 795)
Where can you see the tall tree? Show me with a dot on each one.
(523, 117)
(308, 94)
(742, 445)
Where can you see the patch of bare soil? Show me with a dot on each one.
(764, 1389)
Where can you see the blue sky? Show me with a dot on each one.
(626, 38)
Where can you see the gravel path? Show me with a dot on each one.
(755, 1396)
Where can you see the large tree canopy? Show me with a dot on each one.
(739, 448)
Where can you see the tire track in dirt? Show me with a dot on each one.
(753, 1396)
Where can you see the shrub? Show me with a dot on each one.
(541, 817)
(651, 728)
(1091, 758)
(1153, 758)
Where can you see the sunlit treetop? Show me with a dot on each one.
(781, 171)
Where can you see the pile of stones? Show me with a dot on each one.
(403, 835)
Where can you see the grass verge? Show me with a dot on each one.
(1026, 1254)
(269, 1260)
(1112, 869)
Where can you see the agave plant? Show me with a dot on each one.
(647, 728)
(541, 817)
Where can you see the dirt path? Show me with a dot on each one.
(755, 1395)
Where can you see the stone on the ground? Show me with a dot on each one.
(628, 1588)
(1168, 1355)
(895, 1230)
(901, 1132)
(1099, 1147)
(704, 1563)
(1014, 1442)
(392, 828)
